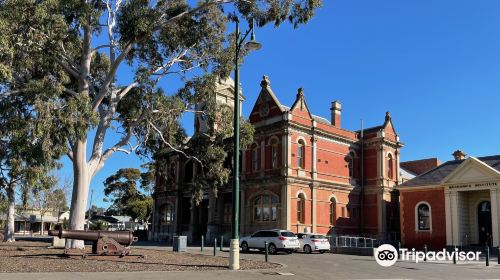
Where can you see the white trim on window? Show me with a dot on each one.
(416, 216)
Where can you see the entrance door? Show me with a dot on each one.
(484, 222)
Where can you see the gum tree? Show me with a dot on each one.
(64, 57)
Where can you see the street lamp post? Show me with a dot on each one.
(234, 251)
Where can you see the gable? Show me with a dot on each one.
(300, 107)
(267, 105)
(471, 170)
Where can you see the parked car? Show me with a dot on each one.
(313, 242)
(277, 240)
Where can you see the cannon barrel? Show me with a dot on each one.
(125, 238)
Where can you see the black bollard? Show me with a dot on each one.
(202, 242)
(487, 256)
(455, 255)
(498, 254)
(221, 243)
(266, 251)
(215, 246)
(425, 252)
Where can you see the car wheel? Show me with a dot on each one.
(272, 249)
(307, 249)
(244, 247)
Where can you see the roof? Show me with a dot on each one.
(420, 166)
(436, 175)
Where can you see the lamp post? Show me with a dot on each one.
(234, 251)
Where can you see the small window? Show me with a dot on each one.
(255, 158)
(423, 217)
(390, 166)
(301, 205)
(228, 213)
(350, 164)
(167, 214)
(301, 151)
(333, 211)
(274, 153)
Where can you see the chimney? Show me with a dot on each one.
(459, 155)
(336, 110)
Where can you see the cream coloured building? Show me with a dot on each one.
(456, 203)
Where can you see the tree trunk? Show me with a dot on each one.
(81, 184)
(41, 227)
(9, 227)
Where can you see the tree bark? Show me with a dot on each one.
(9, 228)
(81, 184)
(41, 227)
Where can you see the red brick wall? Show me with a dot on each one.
(434, 239)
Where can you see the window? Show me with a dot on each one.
(350, 164)
(390, 166)
(301, 150)
(173, 171)
(255, 158)
(423, 216)
(228, 209)
(274, 154)
(265, 208)
(167, 214)
(333, 211)
(301, 205)
(188, 172)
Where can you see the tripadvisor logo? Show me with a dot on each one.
(386, 255)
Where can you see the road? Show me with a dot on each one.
(297, 266)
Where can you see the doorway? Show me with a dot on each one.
(484, 222)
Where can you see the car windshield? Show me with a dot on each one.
(287, 234)
(318, 236)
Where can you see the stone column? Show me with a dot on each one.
(284, 207)
(449, 224)
(314, 158)
(454, 218)
(494, 215)
(314, 205)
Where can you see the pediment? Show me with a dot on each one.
(472, 170)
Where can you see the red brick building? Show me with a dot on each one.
(454, 204)
(302, 173)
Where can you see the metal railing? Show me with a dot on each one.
(353, 241)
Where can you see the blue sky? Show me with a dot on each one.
(435, 65)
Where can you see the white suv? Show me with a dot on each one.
(310, 242)
(277, 240)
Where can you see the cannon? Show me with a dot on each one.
(105, 243)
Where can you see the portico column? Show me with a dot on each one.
(454, 218)
(448, 210)
(494, 215)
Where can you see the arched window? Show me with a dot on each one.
(265, 208)
(167, 214)
(274, 153)
(301, 151)
(390, 166)
(255, 158)
(173, 171)
(423, 213)
(188, 172)
(301, 206)
(333, 211)
(350, 164)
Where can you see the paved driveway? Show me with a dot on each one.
(297, 266)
